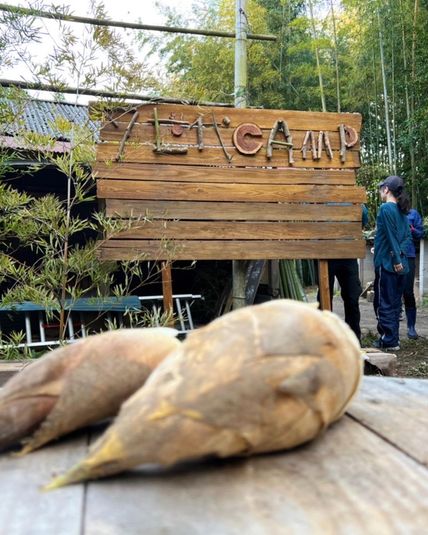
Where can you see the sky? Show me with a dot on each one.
(123, 10)
(126, 10)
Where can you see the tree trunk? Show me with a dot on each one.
(336, 57)
(385, 96)
(317, 56)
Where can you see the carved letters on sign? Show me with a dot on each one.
(247, 138)
(225, 199)
(243, 138)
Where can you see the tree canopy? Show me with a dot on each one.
(364, 56)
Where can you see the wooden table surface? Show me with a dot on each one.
(368, 474)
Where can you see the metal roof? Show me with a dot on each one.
(40, 116)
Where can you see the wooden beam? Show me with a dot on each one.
(235, 230)
(324, 286)
(214, 155)
(167, 291)
(144, 132)
(263, 118)
(195, 173)
(184, 191)
(230, 250)
(234, 211)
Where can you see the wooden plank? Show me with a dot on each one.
(297, 120)
(167, 291)
(324, 285)
(143, 153)
(230, 250)
(256, 211)
(396, 409)
(142, 132)
(8, 368)
(226, 230)
(184, 173)
(184, 191)
(349, 481)
(24, 509)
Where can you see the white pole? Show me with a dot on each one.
(239, 266)
(241, 54)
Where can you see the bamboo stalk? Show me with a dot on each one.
(149, 99)
(317, 57)
(131, 25)
(385, 94)
(412, 96)
(239, 268)
(336, 57)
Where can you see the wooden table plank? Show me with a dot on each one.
(9, 368)
(396, 409)
(350, 481)
(24, 508)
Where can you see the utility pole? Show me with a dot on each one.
(239, 267)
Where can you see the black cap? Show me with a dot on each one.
(393, 183)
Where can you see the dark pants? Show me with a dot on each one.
(346, 272)
(389, 289)
(409, 295)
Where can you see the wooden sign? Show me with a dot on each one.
(228, 183)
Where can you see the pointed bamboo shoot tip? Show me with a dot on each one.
(75, 475)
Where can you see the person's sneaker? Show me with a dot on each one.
(379, 345)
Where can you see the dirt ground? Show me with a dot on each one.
(413, 355)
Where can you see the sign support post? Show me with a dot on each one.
(239, 267)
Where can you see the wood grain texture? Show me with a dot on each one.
(348, 481)
(185, 173)
(297, 120)
(233, 230)
(255, 211)
(143, 153)
(218, 183)
(230, 250)
(10, 368)
(364, 475)
(397, 409)
(142, 132)
(184, 191)
(324, 285)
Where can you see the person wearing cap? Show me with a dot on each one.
(390, 260)
(417, 232)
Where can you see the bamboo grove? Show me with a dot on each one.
(351, 55)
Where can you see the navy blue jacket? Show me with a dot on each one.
(392, 238)
(416, 229)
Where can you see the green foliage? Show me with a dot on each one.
(280, 75)
(284, 74)
(42, 257)
(290, 284)
(9, 347)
